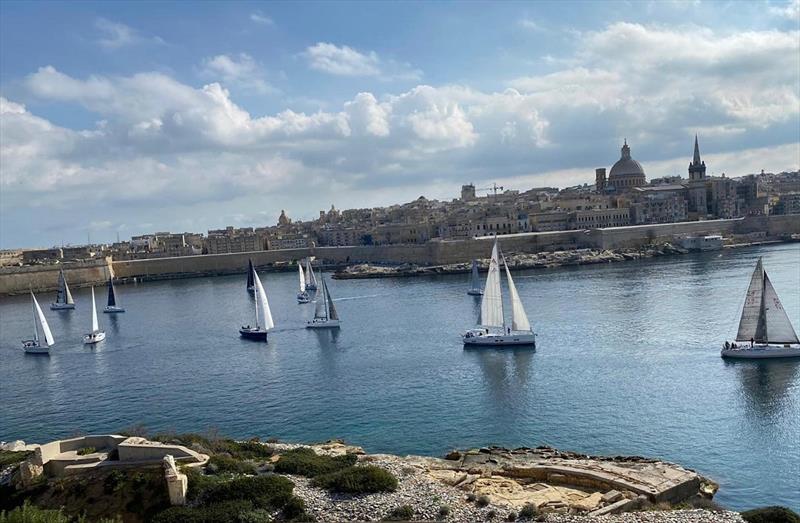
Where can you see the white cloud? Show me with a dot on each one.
(530, 24)
(260, 18)
(241, 70)
(790, 10)
(116, 35)
(346, 61)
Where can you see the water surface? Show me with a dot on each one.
(628, 363)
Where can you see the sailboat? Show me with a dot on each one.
(475, 286)
(494, 330)
(325, 315)
(263, 314)
(35, 346)
(311, 278)
(96, 335)
(764, 327)
(64, 299)
(250, 271)
(302, 296)
(111, 306)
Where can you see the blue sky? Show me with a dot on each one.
(133, 117)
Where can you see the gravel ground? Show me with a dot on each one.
(426, 496)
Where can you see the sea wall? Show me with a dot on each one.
(14, 280)
(42, 278)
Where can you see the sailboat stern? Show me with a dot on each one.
(253, 333)
(484, 338)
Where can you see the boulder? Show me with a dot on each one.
(589, 503)
(29, 472)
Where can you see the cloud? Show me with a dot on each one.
(117, 35)
(530, 24)
(239, 70)
(260, 18)
(346, 61)
(790, 10)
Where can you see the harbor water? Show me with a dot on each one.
(627, 363)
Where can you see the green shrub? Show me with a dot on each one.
(512, 516)
(258, 515)
(222, 463)
(444, 511)
(401, 513)
(305, 462)
(491, 514)
(227, 512)
(28, 513)
(295, 510)
(529, 511)
(483, 501)
(270, 492)
(212, 443)
(471, 497)
(8, 457)
(357, 480)
(771, 515)
(86, 450)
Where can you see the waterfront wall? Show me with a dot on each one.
(14, 280)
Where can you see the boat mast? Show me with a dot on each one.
(35, 326)
(255, 289)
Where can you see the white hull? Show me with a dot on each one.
(112, 310)
(479, 338)
(33, 347)
(94, 337)
(324, 324)
(760, 352)
(61, 306)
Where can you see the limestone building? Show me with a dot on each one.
(696, 188)
(627, 173)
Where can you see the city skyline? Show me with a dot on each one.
(116, 120)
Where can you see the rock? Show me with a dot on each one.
(612, 496)
(589, 503)
(14, 446)
(28, 472)
(453, 455)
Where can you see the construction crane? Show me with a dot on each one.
(494, 188)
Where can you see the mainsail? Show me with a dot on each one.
(48, 336)
(261, 299)
(476, 279)
(112, 299)
(332, 314)
(519, 320)
(63, 295)
(778, 327)
(312, 278)
(95, 324)
(302, 278)
(250, 275)
(751, 312)
(321, 307)
(492, 302)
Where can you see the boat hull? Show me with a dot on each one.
(62, 306)
(311, 287)
(113, 310)
(303, 298)
(473, 292)
(253, 334)
(33, 347)
(762, 352)
(94, 337)
(329, 324)
(500, 340)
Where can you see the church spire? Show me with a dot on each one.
(696, 159)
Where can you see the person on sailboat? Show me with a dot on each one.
(752, 341)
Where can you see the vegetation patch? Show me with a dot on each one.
(357, 480)
(224, 464)
(8, 457)
(771, 515)
(305, 462)
(86, 450)
(529, 512)
(28, 513)
(402, 513)
(214, 443)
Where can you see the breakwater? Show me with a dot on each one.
(16, 280)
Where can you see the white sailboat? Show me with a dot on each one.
(764, 327)
(494, 331)
(35, 346)
(475, 283)
(64, 299)
(263, 314)
(325, 314)
(302, 296)
(96, 335)
(311, 278)
(111, 305)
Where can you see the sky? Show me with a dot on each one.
(125, 118)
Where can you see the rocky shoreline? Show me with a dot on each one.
(542, 260)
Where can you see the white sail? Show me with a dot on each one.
(778, 327)
(321, 307)
(68, 294)
(492, 302)
(519, 320)
(312, 278)
(748, 324)
(302, 278)
(95, 324)
(261, 296)
(332, 314)
(48, 336)
(476, 280)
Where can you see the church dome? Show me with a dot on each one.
(626, 166)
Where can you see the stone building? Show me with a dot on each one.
(627, 173)
(229, 240)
